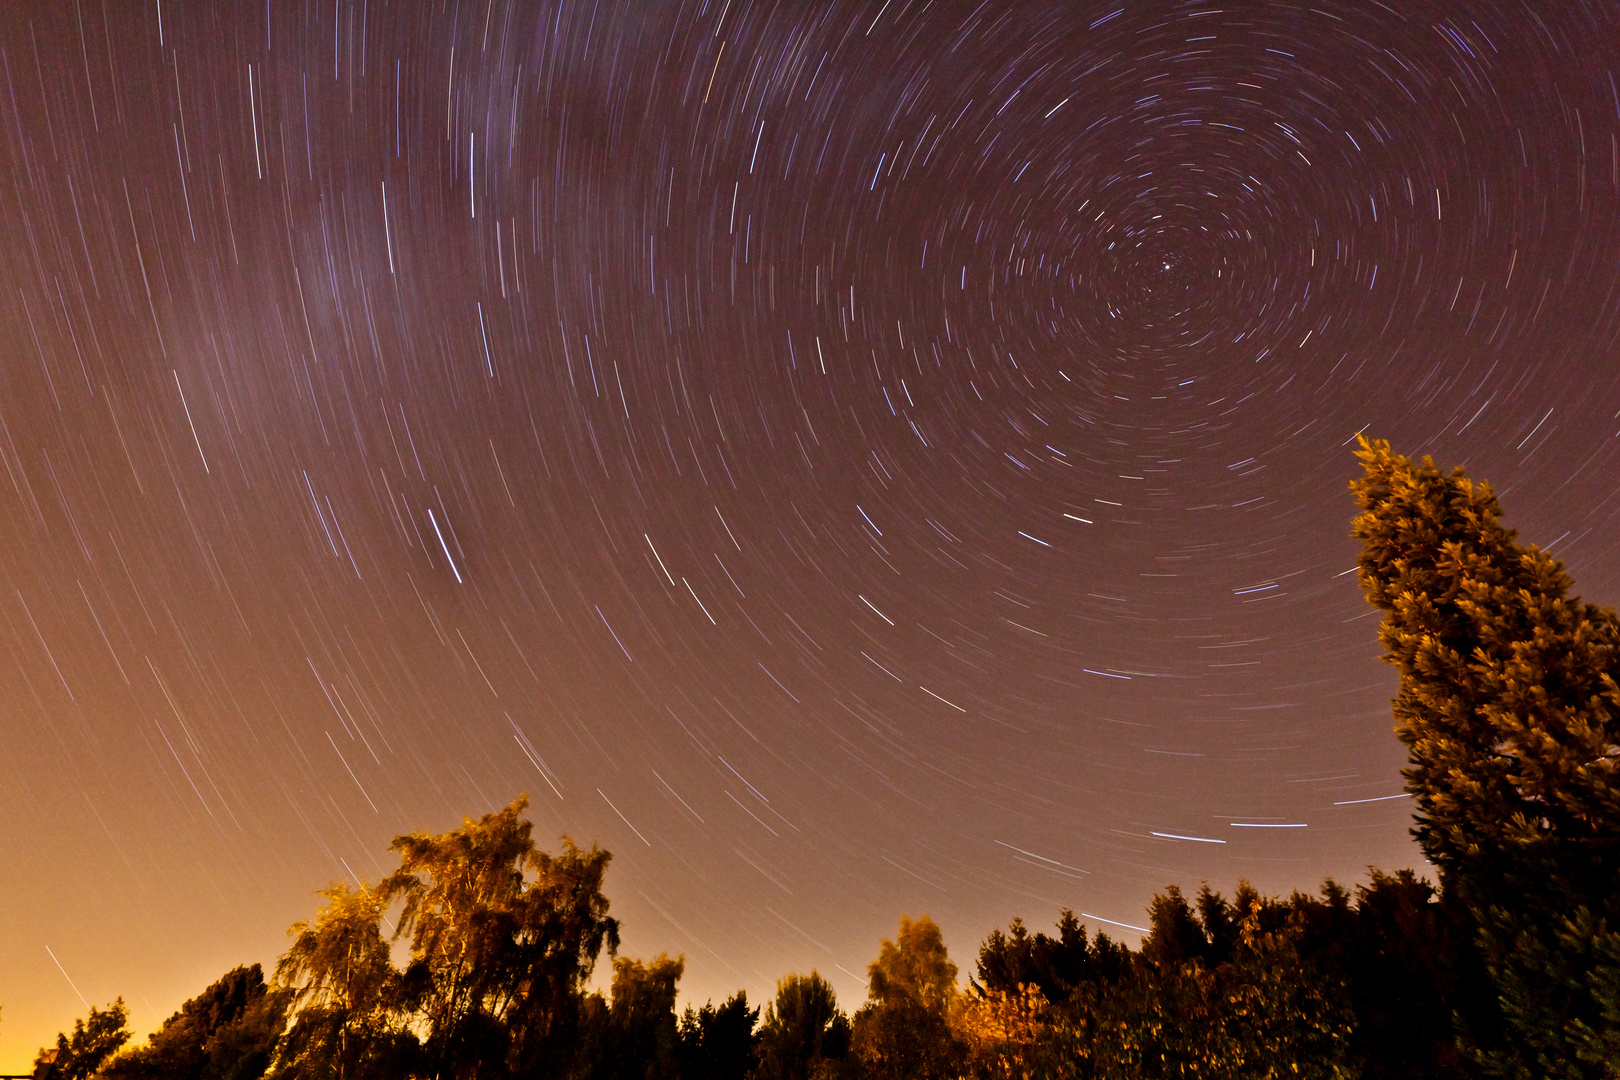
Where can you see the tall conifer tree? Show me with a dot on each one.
(1509, 707)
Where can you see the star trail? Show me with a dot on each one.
(843, 458)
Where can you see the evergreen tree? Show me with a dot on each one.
(1399, 958)
(718, 1043)
(1033, 1011)
(1508, 705)
(1010, 961)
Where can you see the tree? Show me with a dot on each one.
(347, 992)
(635, 1037)
(1251, 989)
(1002, 1032)
(1176, 935)
(1399, 959)
(914, 968)
(904, 1029)
(1285, 1012)
(718, 1043)
(94, 1040)
(228, 1032)
(805, 1034)
(1508, 706)
(1010, 961)
(503, 937)
(1034, 1008)
(244, 1050)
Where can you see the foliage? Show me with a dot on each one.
(1329, 986)
(1068, 984)
(345, 988)
(498, 958)
(1231, 991)
(502, 940)
(95, 1038)
(904, 1029)
(805, 1034)
(1016, 959)
(1399, 956)
(228, 1032)
(717, 1043)
(634, 1038)
(245, 1049)
(1510, 711)
(1001, 1033)
(913, 969)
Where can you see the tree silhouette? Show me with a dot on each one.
(805, 1034)
(503, 938)
(1399, 959)
(227, 1032)
(635, 1037)
(94, 1040)
(718, 1043)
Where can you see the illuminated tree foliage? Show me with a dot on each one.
(502, 940)
(1508, 706)
(1001, 1033)
(904, 1029)
(503, 937)
(346, 992)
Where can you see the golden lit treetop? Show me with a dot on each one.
(1508, 700)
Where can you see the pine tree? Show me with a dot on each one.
(717, 1043)
(1509, 707)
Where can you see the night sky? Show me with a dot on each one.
(844, 458)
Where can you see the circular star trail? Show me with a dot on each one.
(845, 459)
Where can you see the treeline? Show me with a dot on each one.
(504, 939)
(1508, 706)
